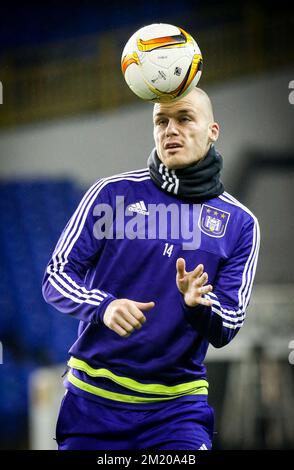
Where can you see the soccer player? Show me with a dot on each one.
(156, 264)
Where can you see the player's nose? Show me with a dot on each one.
(171, 128)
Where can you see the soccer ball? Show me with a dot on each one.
(161, 62)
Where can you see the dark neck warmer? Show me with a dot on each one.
(196, 183)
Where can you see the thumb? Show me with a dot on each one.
(181, 267)
(144, 305)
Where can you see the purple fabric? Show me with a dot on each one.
(87, 425)
(85, 274)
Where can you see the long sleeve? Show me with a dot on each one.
(231, 294)
(64, 283)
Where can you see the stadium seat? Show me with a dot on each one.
(32, 216)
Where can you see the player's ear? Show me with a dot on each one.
(213, 132)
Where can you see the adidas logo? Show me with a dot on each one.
(139, 207)
(203, 447)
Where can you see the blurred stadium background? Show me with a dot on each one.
(68, 118)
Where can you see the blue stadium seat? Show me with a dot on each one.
(13, 398)
(32, 216)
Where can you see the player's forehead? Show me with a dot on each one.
(190, 103)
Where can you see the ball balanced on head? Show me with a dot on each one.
(161, 62)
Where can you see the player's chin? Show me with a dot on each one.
(174, 160)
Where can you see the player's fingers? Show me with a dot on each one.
(201, 280)
(145, 306)
(120, 331)
(206, 302)
(138, 314)
(134, 317)
(197, 271)
(181, 267)
(124, 324)
(205, 289)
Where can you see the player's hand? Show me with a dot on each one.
(123, 316)
(192, 284)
